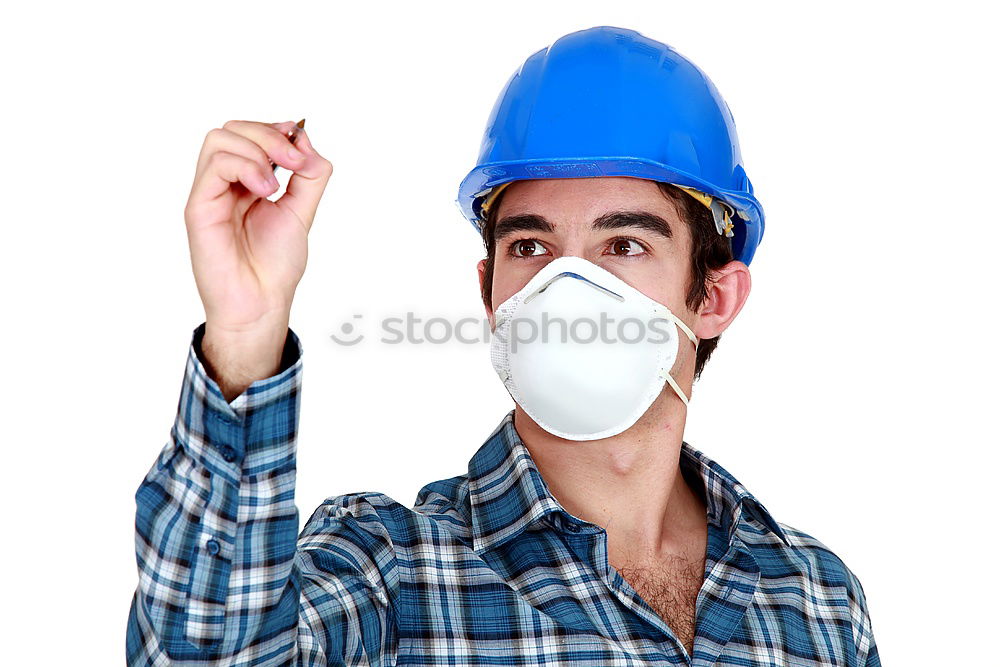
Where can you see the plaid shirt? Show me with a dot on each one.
(486, 568)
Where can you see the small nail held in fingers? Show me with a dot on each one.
(293, 136)
(292, 152)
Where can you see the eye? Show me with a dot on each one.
(626, 247)
(527, 248)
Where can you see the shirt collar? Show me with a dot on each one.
(508, 495)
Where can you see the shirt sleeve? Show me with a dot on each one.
(221, 580)
(867, 649)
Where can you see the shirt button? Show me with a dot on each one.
(228, 453)
(213, 547)
(572, 527)
(223, 419)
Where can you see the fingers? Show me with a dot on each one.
(219, 140)
(263, 142)
(274, 141)
(243, 151)
(223, 168)
(307, 183)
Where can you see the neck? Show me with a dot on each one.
(630, 484)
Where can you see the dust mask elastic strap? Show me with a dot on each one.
(694, 339)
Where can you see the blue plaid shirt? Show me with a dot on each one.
(487, 568)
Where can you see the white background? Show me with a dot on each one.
(855, 395)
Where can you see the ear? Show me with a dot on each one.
(481, 267)
(728, 289)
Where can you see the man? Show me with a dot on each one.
(609, 189)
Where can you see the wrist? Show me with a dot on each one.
(236, 358)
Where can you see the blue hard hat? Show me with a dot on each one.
(611, 102)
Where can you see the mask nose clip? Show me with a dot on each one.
(572, 274)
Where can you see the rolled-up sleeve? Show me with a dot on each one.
(216, 522)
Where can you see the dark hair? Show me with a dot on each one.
(710, 251)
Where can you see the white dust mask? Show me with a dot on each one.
(583, 352)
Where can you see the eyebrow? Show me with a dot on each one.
(614, 220)
(640, 219)
(519, 223)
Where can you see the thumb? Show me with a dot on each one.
(307, 183)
